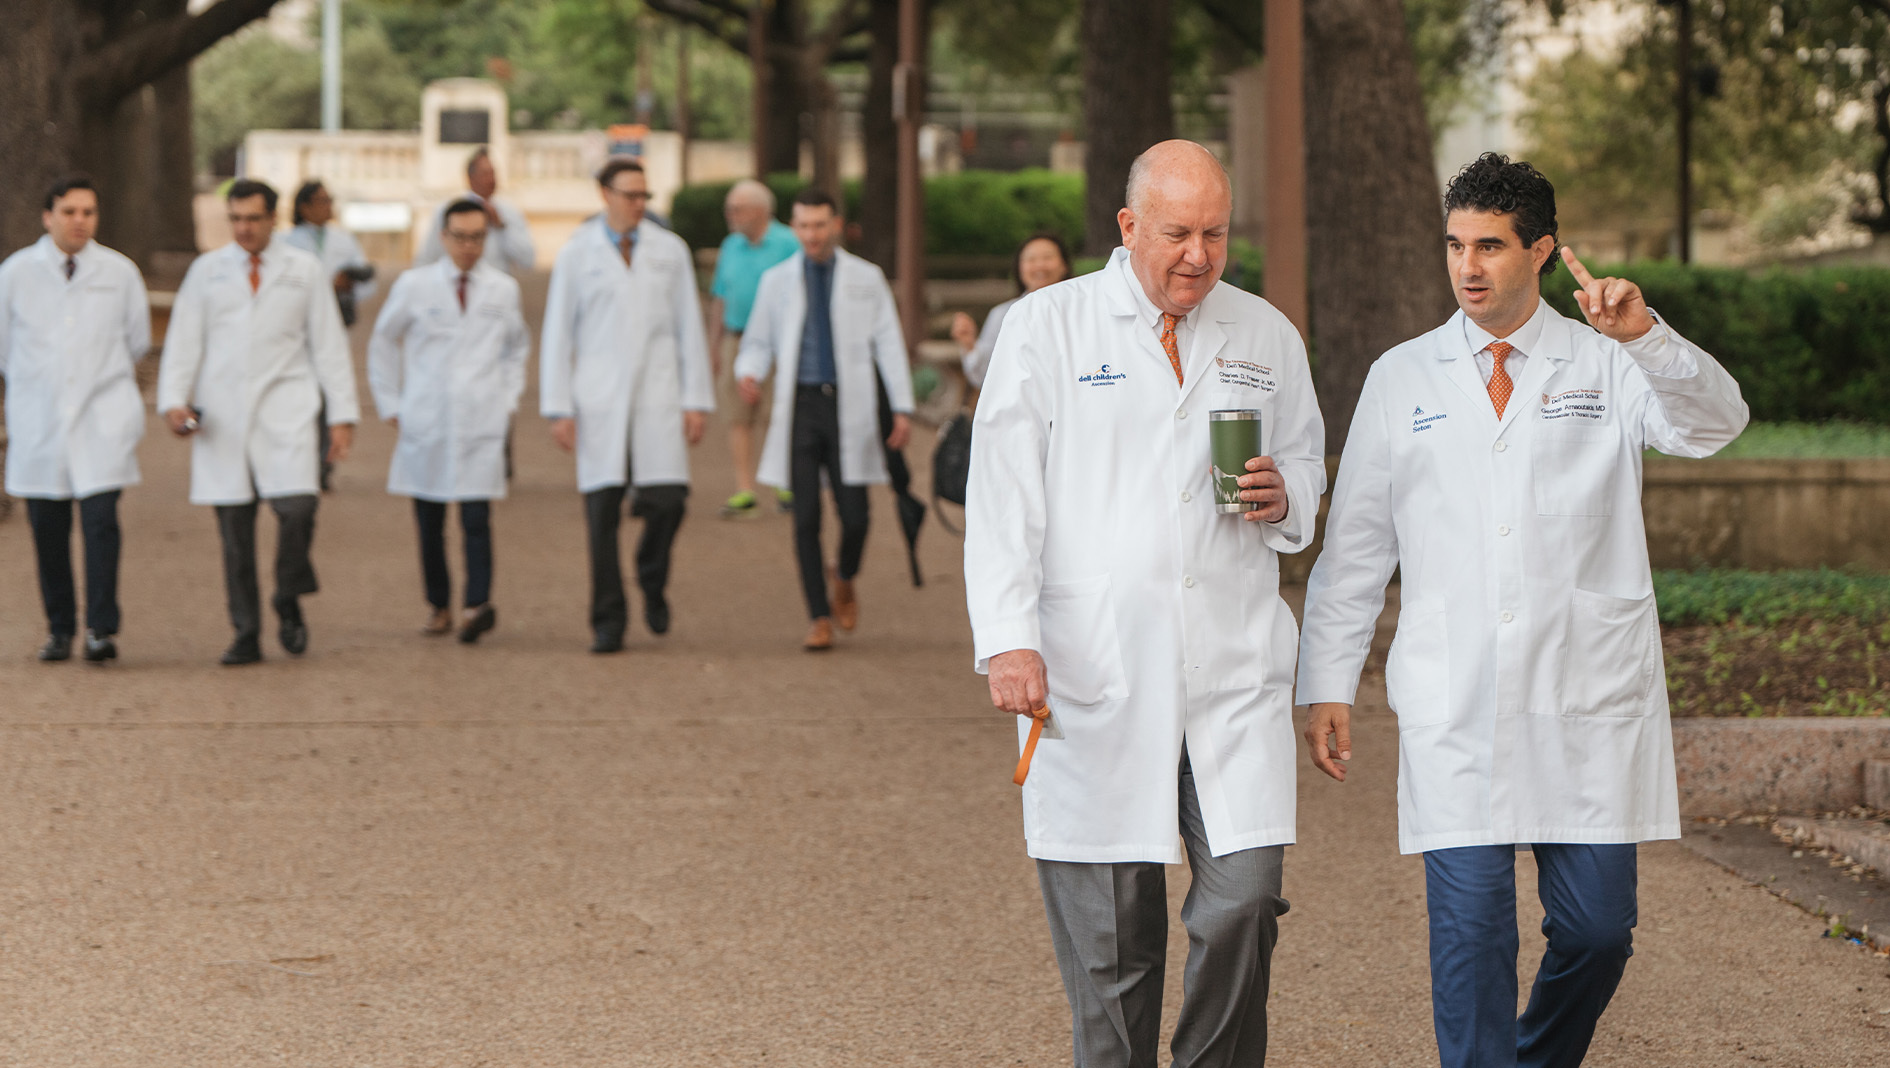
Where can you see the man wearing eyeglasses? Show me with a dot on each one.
(625, 381)
(446, 365)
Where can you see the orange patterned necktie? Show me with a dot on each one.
(1500, 385)
(255, 273)
(1170, 345)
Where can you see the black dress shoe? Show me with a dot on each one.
(100, 647)
(605, 642)
(656, 613)
(57, 647)
(294, 637)
(242, 651)
(482, 619)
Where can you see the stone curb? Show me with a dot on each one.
(1733, 767)
(1865, 841)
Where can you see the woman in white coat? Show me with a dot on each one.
(624, 378)
(1042, 260)
(74, 320)
(823, 351)
(1101, 579)
(1496, 461)
(255, 348)
(446, 365)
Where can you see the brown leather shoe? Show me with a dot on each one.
(819, 636)
(846, 609)
(439, 621)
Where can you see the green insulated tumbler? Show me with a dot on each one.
(1233, 439)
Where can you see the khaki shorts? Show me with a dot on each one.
(728, 399)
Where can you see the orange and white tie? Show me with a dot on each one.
(1170, 345)
(255, 273)
(1500, 385)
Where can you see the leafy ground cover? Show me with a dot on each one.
(1787, 643)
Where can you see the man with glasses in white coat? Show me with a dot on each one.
(255, 348)
(624, 378)
(74, 321)
(446, 365)
(1105, 586)
(1495, 462)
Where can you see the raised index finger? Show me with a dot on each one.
(1582, 277)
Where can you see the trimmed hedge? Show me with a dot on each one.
(972, 213)
(1806, 346)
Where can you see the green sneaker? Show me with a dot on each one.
(784, 500)
(739, 504)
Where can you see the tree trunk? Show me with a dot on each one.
(823, 127)
(787, 88)
(41, 117)
(878, 193)
(1127, 104)
(1374, 214)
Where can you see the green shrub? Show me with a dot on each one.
(1836, 440)
(1805, 345)
(1766, 598)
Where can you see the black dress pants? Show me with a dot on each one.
(52, 543)
(295, 574)
(661, 509)
(814, 447)
(475, 523)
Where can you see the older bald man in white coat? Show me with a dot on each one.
(255, 347)
(1104, 585)
(1497, 462)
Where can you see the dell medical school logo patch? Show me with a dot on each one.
(1573, 404)
(1422, 420)
(1106, 375)
(1245, 373)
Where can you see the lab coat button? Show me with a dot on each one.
(1507, 617)
(1188, 582)
(1502, 531)
(1501, 445)
(1186, 497)
(1182, 414)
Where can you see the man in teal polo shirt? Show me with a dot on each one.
(756, 241)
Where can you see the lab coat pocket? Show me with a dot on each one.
(1613, 655)
(1575, 470)
(1417, 670)
(1081, 651)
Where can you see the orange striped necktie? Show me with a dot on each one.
(1500, 385)
(1170, 345)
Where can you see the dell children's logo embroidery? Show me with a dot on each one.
(1106, 375)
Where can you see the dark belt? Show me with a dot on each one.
(824, 389)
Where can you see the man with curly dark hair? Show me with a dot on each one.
(1497, 462)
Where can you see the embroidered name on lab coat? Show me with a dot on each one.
(1422, 420)
(1245, 373)
(1106, 375)
(1573, 404)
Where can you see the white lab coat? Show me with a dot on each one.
(68, 351)
(260, 366)
(866, 334)
(624, 353)
(337, 249)
(1091, 536)
(508, 248)
(1527, 672)
(452, 377)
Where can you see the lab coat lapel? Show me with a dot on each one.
(1209, 339)
(1127, 313)
(1460, 366)
(1553, 349)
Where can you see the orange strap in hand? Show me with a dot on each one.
(1037, 716)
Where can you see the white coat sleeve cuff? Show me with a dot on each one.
(1002, 636)
(1662, 352)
